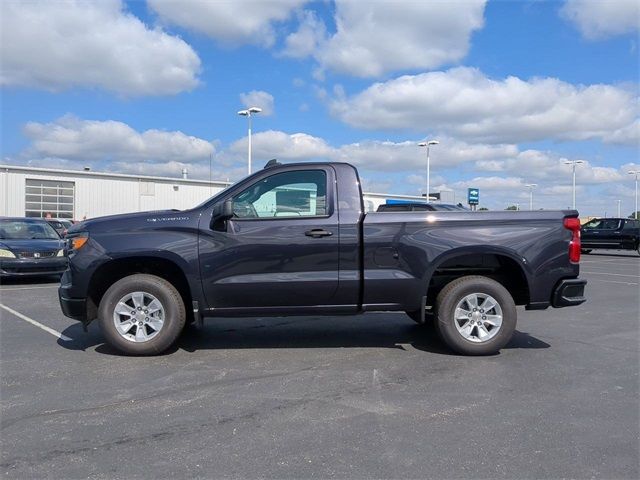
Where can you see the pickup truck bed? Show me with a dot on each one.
(294, 239)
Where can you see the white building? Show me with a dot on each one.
(78, 194)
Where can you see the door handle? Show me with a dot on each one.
(318, 233)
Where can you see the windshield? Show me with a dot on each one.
(602, 224)
(25, 230)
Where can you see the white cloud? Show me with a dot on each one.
(376, 37)
(373, 155)
(465, 103)
(492, 183)
(86, 140)
(597, 19)
(306, 40)
(540, 166)
(258, 98)
(59, 45)
(281, 145)
(234, 22)
(629, 135)
(500, 171)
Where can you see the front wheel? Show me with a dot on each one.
(141, 314)
(475, 315)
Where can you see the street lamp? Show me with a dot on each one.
(531, 186)
(636, 173)
(248, 113)
(428, 144)
(573, 163)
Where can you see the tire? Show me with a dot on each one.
(153, 329)
(491, 330)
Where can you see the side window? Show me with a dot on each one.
(631, 224)
(301, 193)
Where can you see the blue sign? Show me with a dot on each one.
(473, 197)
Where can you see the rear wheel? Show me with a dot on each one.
(141, 315)
(475, 315)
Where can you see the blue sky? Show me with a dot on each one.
(511, 89)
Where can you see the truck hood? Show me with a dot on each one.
(134, 221)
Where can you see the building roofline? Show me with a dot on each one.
(129, 176)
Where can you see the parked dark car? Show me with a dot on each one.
(60, 226)
(611, 233)
(420, 207)
(295, 240)
(30, 246)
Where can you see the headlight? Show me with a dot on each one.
(60, 253)
(6, 253)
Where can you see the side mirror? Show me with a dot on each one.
(227, 209)
(221, 212)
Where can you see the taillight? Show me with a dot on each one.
(573, 224)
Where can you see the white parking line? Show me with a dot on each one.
(53, 332)
(8, 289)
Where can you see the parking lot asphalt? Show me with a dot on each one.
(372, 396)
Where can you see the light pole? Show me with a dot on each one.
(531, 186)
(636, 173)
(428, 144)
(248, 113)
(618, 202)
(573, 163)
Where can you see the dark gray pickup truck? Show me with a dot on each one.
(294, 240)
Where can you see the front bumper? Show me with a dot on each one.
(569, 292)
(75, 308)
(20, 267)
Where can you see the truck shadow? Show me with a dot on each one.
(368, 331)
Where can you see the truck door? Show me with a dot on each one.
(630, 233)
(612, 232)
(280, 249)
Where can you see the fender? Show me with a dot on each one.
(478, 250)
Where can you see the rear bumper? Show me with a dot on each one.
(569, 292)
(21, 267)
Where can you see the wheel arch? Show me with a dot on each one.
(502, 264)
(164, 267)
